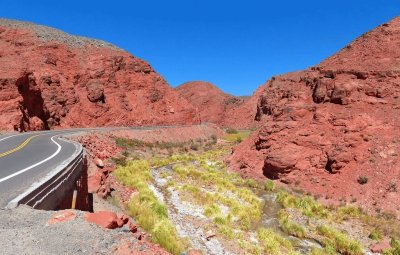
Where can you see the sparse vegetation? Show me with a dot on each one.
(346, 212)
(306, 204)
(272, 243)
(289, 226)
(233, 209)
(375, 235)
(392, 187)
(340, 241)
(269, 185)
(130, 143)
(145, 207)
(231, 131)
(236, 136)
(362, 180)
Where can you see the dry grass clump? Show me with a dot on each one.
(306, 204)
(237, 136)
(341, 242)
(144, 206)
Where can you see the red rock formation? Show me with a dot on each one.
(331, 128)
(107, 219)
(217, 107)
(49, 79)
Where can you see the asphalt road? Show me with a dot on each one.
(26, 158)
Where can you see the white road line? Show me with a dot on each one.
(8, 137)
(34, 165)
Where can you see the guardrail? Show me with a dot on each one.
(50, 191)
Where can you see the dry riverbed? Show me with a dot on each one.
(194, 202)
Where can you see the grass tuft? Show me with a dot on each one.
(289, 226)
(145, 207)
(340, 241)
(273, 243)
(269, 185)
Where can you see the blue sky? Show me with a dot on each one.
(237, 45)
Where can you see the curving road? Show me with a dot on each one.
(27, 158)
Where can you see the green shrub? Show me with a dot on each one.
(194, 146)
(362, 180)
(307, 204)
(273, 243)
(375, 235)
(289, 226)
(269, 185)
(212, 210)
(231, 131)
(340, 241)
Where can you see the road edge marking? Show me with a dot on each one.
(78, 149)
(36, 164)
(5, 138)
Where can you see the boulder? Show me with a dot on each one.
(104, 219)
(380, 246)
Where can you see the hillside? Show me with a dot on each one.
(50, 79)
(331, 130)
(217, 107)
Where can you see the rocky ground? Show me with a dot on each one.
(27, 231)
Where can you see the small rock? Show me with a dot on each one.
(99, 163)
(194, 252)
(380, 246)
(210, 235)
(124, 218)
(132, 227)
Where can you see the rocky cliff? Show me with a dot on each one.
(332, 130)
(220, 108)
(50, 79)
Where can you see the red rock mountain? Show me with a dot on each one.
(49, 79)
(334, 129)
(218, 107)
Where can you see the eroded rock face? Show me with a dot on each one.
(217, 107)
(324, 128)
(49, 79)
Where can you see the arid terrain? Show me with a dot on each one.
(309, 164)
(50, 79)
(331, 130)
